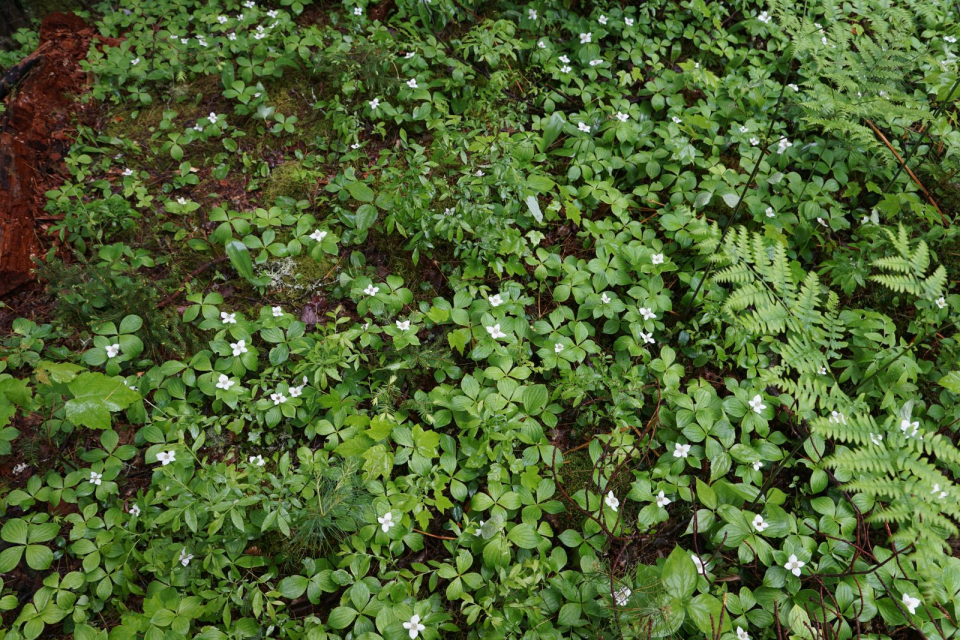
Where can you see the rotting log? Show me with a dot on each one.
(36, 131)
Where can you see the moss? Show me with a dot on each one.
(298, 278)
(293, 180)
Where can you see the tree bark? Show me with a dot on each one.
(35, 133)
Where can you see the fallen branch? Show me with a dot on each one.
(16, 73)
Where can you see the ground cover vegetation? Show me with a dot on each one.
(472, 319)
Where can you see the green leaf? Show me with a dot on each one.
(240, 258)
(679, 575)
(552, 129)
(706, 610)
(535, 399)
(15, 531)
(360, 191)
(524, 536)
(39, 557)
(95, 397)
(341, 617)
(293, 586)
(534, 207)
(10, 558)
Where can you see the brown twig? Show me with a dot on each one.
(432, 535)
(883, 138)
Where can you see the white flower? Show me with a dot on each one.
(764, 18)
(318, 235)
(681, 450)
(296, 392)
(628, 21)
(371, 290)
(622, 596)
(622, 117)
(278, 398)
(936, 489)
(112, 350)
(941, 302)
(783, 145)
(743, 129)
(770, 213)
(541, 44)
(532, 14)
(495, 300)
(822, 221)
(586, 38)
(756, 403)
(134, 510)
(277, 312)
(479, 173)
(166, 457)
(212, 118)
(699, 564)
(565, 69)
(403, 326)
(257, 460)
(818, 25)
(604, 298)
(413, 627)
(647, 314)
(20, 468)
(911, 603)
(128, 172)
(224, 382)
(602, 19)
(374, 104)
(951, 40)
(96, 478)
(742, 634)
(412, 83)
(181, 201)
(795, 88)
(757, 465)
(611, 501)
(495, 332)
(198, 126)
(663, 500)
(564, 59)
(409, 55)
(249, 4)
(595, 63)
(357, 11)
(759, 524)
(583, 127)
(185, 557)
(793, 565)
(647, 338)
(822, 371)
(823, 39)
(905, 426)
(656, 258)
(135, 62)
(386, 522)
(239, 347)
(228, 318)
(676, 119)
(754, 142)
(876, 439)
(838, 418)
(355, 145)
(558, 348)
(232, 36)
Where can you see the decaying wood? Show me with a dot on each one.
(35, 133)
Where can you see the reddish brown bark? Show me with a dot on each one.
(35, 133)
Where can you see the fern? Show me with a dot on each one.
(910, 268)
